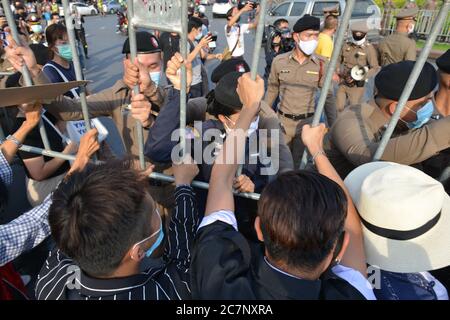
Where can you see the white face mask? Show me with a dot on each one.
(253, 127)
(36, 28)
(358, 42)
(308, 47)
(411, 29)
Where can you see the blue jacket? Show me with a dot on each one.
(158, 147)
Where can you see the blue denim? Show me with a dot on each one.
(404, 286)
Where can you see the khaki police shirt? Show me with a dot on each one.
(397, 47)
(296, 83)
(364, 55)
(356, 134)
(111, 102)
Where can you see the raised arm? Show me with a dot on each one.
(31, 228)
(32, 117)
(248, 7)
(185, 216)
(220, 195)
(354, 256)
(158, 146)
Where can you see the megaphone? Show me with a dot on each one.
(358, 73)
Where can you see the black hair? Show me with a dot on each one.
(229, 13)
(3, 196)
(302, 216)
(54, 32)
(278, 22)
(194, 23)
(97, 215)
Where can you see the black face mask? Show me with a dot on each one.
(357, 38)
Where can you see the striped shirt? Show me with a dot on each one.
(61, 279)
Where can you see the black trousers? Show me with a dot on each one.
(81, 36)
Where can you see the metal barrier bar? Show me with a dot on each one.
(76, 61)
(258, 39)
(202, 185)
(153, 175)
(48, 153)
(165, 15)
(25, 72)
(183, 91)
(6, 74)
(256, 52)
(331, 67)
(133, 55)
(412, 81)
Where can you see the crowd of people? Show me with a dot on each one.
(342, 228)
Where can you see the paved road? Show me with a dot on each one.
(104, 67)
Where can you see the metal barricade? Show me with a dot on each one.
(161, 15)
(25, 72)
(331, 67)
(412, 80)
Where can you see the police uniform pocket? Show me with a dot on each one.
(311, 77)
(285, 76)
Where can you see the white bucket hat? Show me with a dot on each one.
(405, 217)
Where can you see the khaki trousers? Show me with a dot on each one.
(292, 131)
(353, 94)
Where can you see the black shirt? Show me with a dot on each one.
(226, 266)
(34, 139)
(58, 281)
(170, 44)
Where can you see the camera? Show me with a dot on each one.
(242, 4)
(287, 43)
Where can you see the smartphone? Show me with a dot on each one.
(212, 45)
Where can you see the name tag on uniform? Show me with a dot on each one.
(285, 71)
(361, 53)
(312, 72)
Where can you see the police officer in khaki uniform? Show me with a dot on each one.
(356, 52)
(295, 77)
(437, 164)
(356, 134)
(398, 46)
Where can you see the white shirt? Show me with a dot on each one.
(232, 38)
(353, 277)
(439, 289)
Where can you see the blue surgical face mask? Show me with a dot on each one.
(199, 36)
(158, 241)
(423, 116)
(65, 52)
(155, 76)
(156, 244)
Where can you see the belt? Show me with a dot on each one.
(296, 117)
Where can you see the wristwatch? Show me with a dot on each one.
(14, 139)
